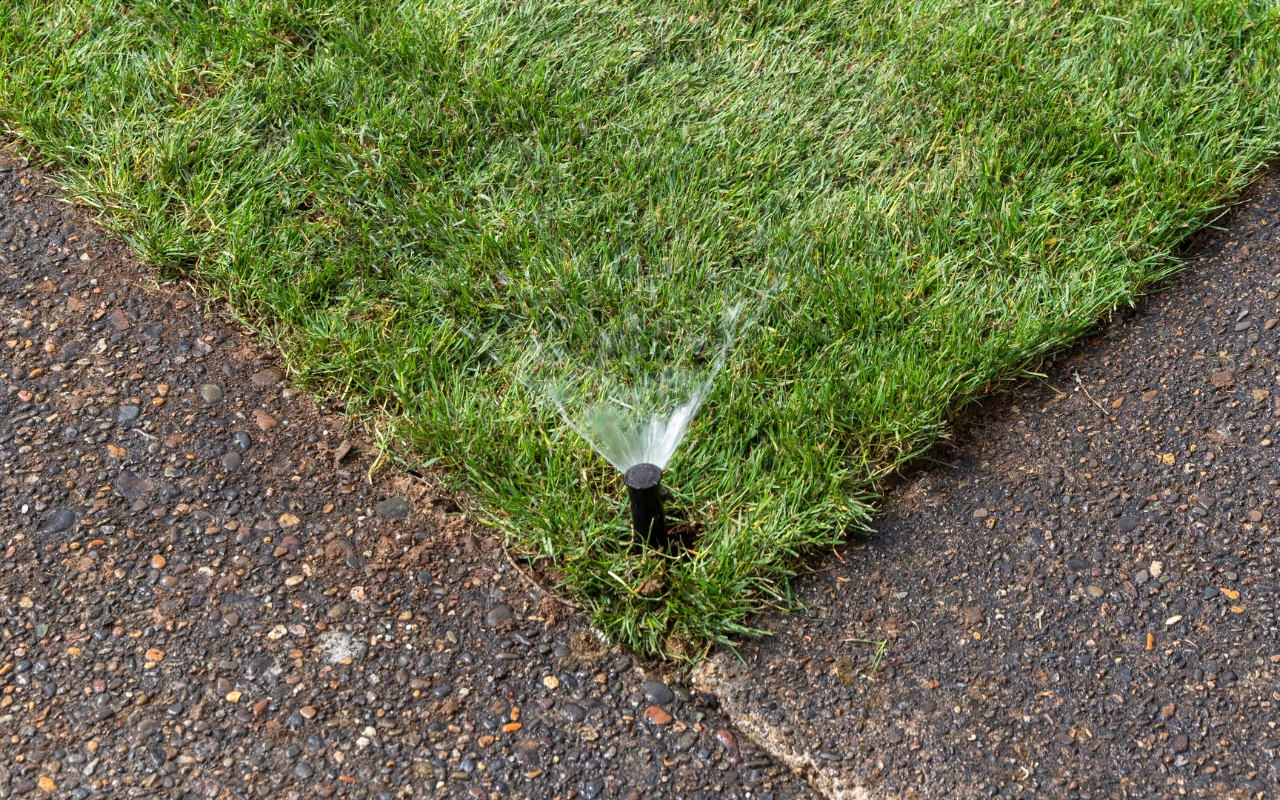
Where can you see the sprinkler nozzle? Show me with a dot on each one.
(644, 488)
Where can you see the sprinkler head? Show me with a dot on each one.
(644, 489)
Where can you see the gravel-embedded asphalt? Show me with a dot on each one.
(1082, 604)
(205, 595)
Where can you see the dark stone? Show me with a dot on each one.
(620, 664)
(61, 520)
(573, 712)
(71, 350)
(657, 692)
(128, 414)
(393, 508)
(499, 614)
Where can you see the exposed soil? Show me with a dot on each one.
(205, 595)
(1082, 604)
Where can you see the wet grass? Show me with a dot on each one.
(405, 194)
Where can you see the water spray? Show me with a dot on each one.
(631, 413)
(644, 489)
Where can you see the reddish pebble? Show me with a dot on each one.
(25, 396)
(158, 561)
(725, 737)
(118, 320)
(657, 715)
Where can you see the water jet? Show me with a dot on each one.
(634, 402)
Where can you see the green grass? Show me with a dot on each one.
(406, 194)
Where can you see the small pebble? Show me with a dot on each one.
(499, 614)
(210, 392)
(657, 692)
(393, 508)
(267, 377)
(59, 521)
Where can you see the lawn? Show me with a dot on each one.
(916, 200)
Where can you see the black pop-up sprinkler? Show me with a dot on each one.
(644, 488)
